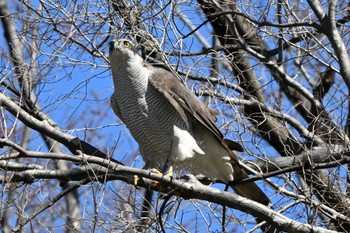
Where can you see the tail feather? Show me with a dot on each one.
(252, 192)
(248, 190)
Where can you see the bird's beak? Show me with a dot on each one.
(113, 45)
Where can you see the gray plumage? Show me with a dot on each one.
(171, 125)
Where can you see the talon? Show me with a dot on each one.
(169, 174)
(155, 170)
(136, 179)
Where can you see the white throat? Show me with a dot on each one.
(129, 73)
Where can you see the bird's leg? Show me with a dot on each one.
(136, 177)
(169, 173)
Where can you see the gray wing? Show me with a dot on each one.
(182, 98)
(184, 101)
(234, 145)
(115, 107)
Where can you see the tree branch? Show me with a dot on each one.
(188, 189)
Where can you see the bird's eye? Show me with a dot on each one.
(126, 44)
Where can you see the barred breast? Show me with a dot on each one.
(151, 119)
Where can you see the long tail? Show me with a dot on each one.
(253, 192)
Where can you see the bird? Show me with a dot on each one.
(172, 126)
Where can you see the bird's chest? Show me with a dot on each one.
(148, 115)
(135, 100)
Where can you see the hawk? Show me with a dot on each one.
(171, 125)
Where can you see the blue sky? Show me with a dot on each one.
(74, 89)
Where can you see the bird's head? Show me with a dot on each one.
(123, 56)
(122, 49)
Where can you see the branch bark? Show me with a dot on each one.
(188, 189)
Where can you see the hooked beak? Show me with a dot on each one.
(113, 45)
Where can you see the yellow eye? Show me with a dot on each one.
(127, 44)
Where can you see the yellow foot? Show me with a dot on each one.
(136, 179)
(169, 174)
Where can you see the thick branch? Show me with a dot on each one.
(318, 158)
(74, 144)
(190, 189)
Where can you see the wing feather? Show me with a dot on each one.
(185, 101)
(115, 107)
